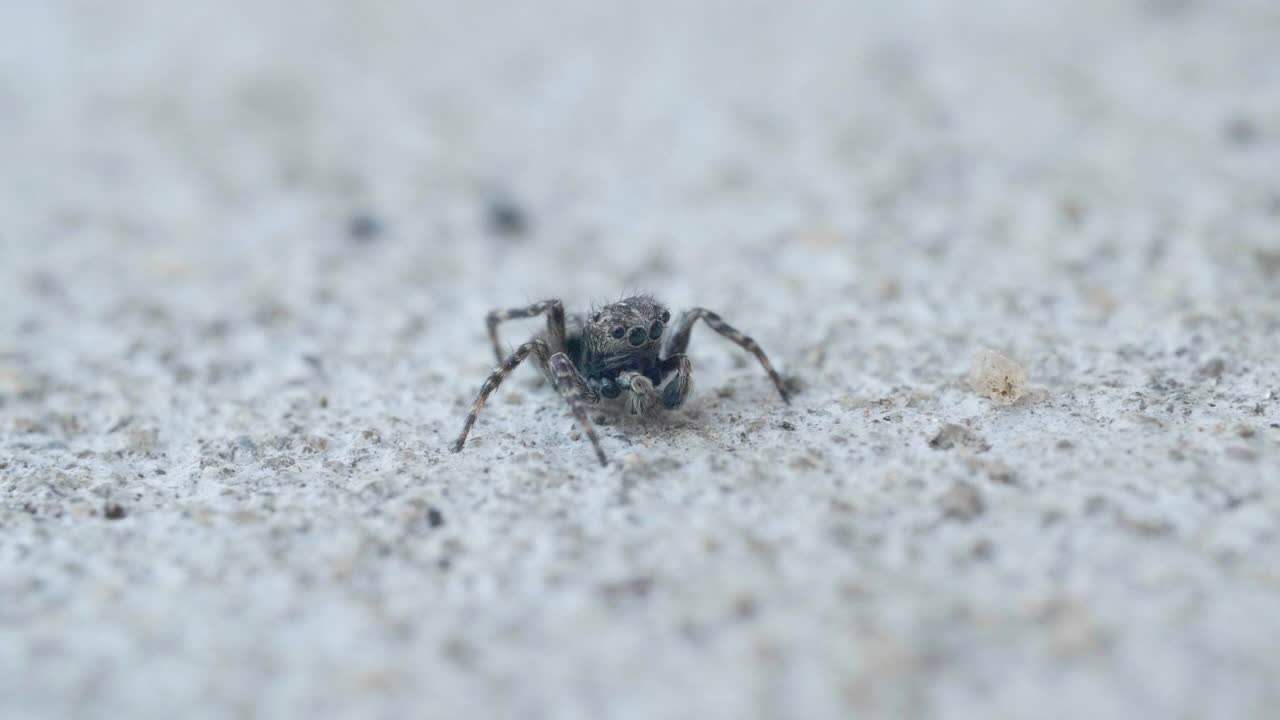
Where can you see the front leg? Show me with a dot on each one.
(555, 324)
(576, 391)
(680, 386)
(566, 382)
(678, 342)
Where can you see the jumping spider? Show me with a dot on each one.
(625, 347)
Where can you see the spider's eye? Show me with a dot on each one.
(655, 330)
(618, 332)
(636, 337)
(666, 316)
(595, 317)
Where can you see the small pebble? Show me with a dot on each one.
(962, 502)
(952, 435)
(1242, 454)
(997, 377)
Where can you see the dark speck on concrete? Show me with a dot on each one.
(435, 518)
(364, 227)
(1213, 369)
(1241, 131)
(504, 216)
(113, 511)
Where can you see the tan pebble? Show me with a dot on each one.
(996, 377)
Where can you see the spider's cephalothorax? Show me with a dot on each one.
(626, 348)
(622, 337)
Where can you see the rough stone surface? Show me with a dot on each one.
(246, 249)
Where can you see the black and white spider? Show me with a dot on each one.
(626, 347)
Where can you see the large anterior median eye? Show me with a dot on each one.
(655, 330)
(618, 332)
(636, 338)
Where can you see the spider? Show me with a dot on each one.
(626, 347)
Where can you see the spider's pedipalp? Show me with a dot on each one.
(642, 396)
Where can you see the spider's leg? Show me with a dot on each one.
(504, 369)
(564, 376)
(555, 324)
(642, 396)
(576, 391)
(678, 387)
(678, 342)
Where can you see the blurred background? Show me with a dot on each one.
(246, 249)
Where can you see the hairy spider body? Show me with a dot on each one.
(624, 348)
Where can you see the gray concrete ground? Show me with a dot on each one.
(248, 247)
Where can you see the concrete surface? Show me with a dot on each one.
(248, 247)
